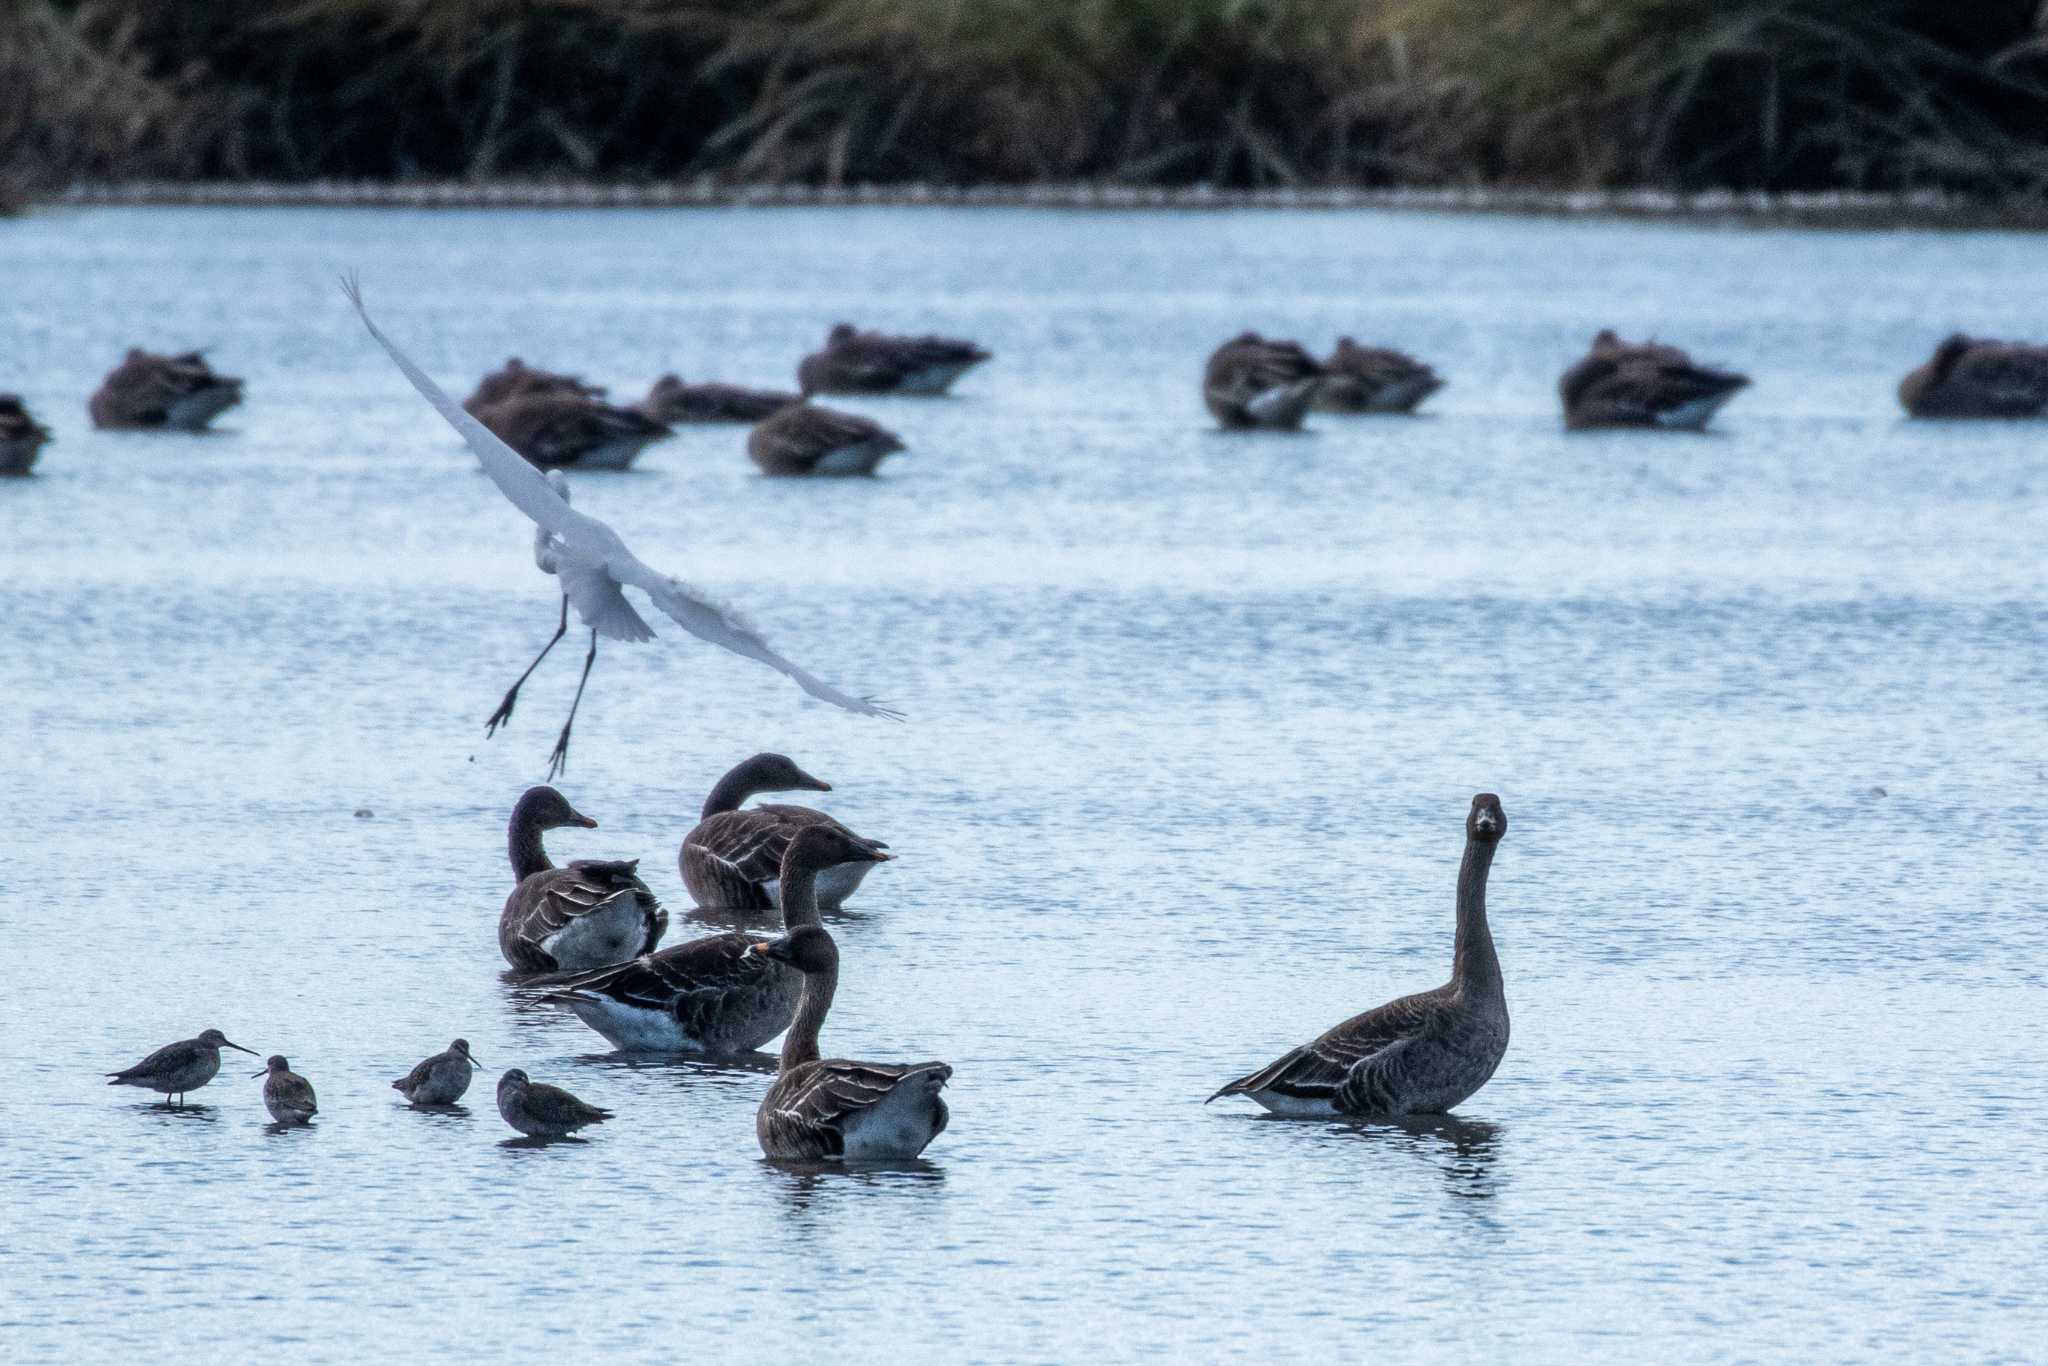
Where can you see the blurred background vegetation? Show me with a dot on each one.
(1678, 94)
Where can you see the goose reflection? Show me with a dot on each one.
(1464, 1150)
(684, 1066)
(802, 1185)
(765, 922)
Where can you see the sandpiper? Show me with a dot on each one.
(542, 1111)
(287, 1095)
(179, 1067)
(441, 1079)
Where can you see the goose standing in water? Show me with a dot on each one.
(1252, 382)
(1373, 379)
(711, 995)
(287, 1095)
(1972, 377)
(179, 1067)
(591, 914)
(441, 1079)
(1419, 1055)
(541, 1111)
(555, 429)
(149, 391)
(515, 378)
(21, 436)
(672, 401)
(857, 362)
(804, 438)
(732, 860)
(831, 1109)
(1643, 384)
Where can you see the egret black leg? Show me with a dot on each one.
(504, 711)
(560, 757)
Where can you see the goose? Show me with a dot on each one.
(591, 914)
(1373, 379)
(710, 995)
(555, 429)
(1421, 1054)
(732, 860)
(857, 362)
(179, 1067)
(515, 377)
(1972, 377)
(804, 438)
(672, 401)
(287, 1095)
(21, 436)
(831, 1109)
(147, 390)
(541, 1111)
(441, 1079)
(1643, 384)
(1252, 382)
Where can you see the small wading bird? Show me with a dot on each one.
(594, 566)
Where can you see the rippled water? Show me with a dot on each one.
(1194, 723)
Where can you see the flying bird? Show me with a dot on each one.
(594, 566)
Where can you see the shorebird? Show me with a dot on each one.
(594, 566)
(179, 1067)
(287, 1095)
(441, 1079)
(542, 1111)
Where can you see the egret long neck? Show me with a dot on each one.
(734, 788)
(528, 857)
(800, 1045)
(1474, 966)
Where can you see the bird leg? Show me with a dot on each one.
(504, 711)
(560, 758)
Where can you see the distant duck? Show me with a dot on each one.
(555, 429)
(1252, 382)
(441, 1079)
(591, 914)
(1420, 1054)
(148, 391)
(177, 1068)
(1973, 377)
(21, 436)
(1373, 379)
(287, 1095)
(804, 438)
(542, 1111)
(711, 995)
(1643, 384)
(732, 859)
(857, 362)
(516, 379)
(831, 1109)
(674, 402)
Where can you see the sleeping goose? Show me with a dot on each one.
(732, 860)
(1643, 384)
(831, 1109)
(147, 391)
(1373, 379)
(1972, 377)
(711, 995)
(1252, 382)
(515, 378)
(674, 402)
(1420, 1054)
(804, 438)
(857, 362)
(591, 914)
(21, 436)
(555, 429)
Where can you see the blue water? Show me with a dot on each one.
(1194, 722)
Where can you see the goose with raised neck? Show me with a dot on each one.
(591, 914)
(711, 995)
(1421, 1054)
(834, 1109)
(732, 858)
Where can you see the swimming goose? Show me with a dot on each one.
(541, 1111)
(1972, 377)
(21, 436)
(672, 401)
(287, 1095)
(857, 362)
(591, 914)
(441, 1079)
(830, 1109)
(711, 995)
(515, 378)
(1373, 379)
(1252, 382)
(555, 429)
(804, 438)
(732, 860)
(1420, 1054)
(147, 391)
(1643, 384)
(179, 1067)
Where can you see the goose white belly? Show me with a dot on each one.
(1694, 414)
(900, 1126)
(933, 379)
(835, 884)
(194, 411)
(859, 458)
(1296, 1107)
(613, 933)
(750, 1019)
(612, 455)
(1283, 405)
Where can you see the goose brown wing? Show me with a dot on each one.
(1316, 1070)
(827, 1093)
(2010, 378)
(549, 901)
(692, 981)
(749, 844)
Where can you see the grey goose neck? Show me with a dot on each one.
(800, 1044)
(523, 840)
(1475, 968)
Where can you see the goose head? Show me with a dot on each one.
(1488, 822)
(818, 847)
(768, 772)
(543, 808)
(809, 949)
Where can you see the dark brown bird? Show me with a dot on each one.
(21, 436)
(1973, 377)
(591, 914)
(555, 429)
(1643, 384)
(1373, 379)
(857, 362)
(148, 391)
(674, 402)
(516, 378)
(542, 1111)
(807, 439)
(1252, 382)
(732, 859)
